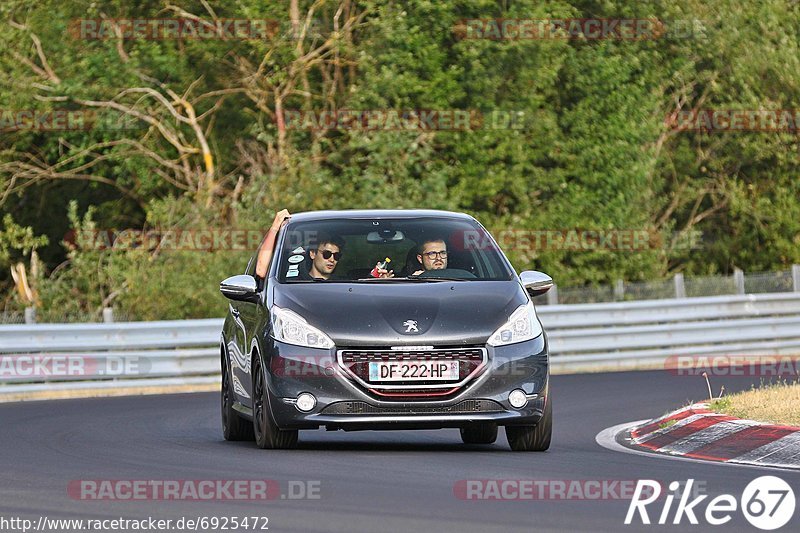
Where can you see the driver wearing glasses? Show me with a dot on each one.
(325, 257)
(432, 256)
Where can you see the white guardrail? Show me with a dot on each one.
(639, 334)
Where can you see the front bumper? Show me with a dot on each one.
(344, 404)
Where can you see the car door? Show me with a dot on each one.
(251, 318)
(238, 350)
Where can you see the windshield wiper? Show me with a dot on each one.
(414, 279)
(382, 279)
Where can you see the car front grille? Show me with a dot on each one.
(442, 354)
(356, 363)
(364, 408)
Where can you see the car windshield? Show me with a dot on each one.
(418, 250)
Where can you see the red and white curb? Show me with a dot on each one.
(696, 434)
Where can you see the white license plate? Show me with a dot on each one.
(413, 371)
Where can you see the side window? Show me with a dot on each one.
(251, 266)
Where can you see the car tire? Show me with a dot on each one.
(267, 433)
(532, 438)
(234, 427)
(479, 434)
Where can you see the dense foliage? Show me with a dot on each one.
(188, 133)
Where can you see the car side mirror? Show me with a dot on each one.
(535, 282)
(242, 288)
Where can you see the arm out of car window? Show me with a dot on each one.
(267, 247)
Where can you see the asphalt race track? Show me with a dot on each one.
(369, 481)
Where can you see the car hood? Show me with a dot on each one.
(396, 313)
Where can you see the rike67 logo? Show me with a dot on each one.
(767, 502)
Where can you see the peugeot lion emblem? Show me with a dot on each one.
(411, 326)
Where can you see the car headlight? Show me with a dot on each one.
(291, 328)
(521, 326)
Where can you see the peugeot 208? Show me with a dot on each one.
(385, 319)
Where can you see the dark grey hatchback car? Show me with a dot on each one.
(385, 319)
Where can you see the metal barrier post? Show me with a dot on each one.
(796, 278)
(619, 290)
(738, 279)
(680, 288)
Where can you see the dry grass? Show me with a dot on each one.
(775, 403)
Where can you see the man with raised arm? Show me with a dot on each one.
(268, 244)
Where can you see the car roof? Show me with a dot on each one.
(377, 214)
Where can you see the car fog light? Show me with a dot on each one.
(517, 398)
(306, 402)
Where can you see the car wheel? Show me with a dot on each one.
(532, 438)
(479, 434)
(234, 427)
(268, 434)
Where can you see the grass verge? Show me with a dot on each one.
(777, 403)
